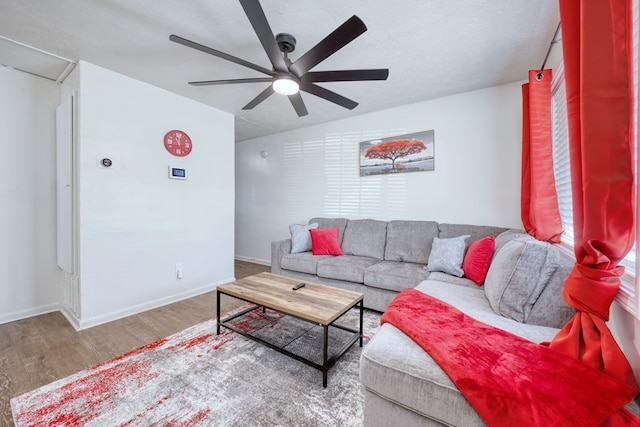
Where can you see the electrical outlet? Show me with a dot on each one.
(179, 270)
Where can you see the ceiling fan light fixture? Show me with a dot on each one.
(285, 85)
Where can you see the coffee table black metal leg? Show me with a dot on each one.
(325, 359)
(361, 329)
(218, 312)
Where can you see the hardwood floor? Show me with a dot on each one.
(42, 349)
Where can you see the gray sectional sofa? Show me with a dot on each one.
(380, 259)
(402, 384)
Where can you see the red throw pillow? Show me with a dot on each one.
(478, 259)
(324, 241)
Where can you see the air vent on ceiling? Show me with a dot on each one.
(34, 61)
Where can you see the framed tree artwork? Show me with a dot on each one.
(412, 152)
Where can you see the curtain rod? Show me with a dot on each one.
(553, 41)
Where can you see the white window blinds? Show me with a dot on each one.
(561, 165)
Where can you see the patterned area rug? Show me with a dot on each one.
(196, 377)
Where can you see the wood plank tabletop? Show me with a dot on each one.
(314, 302)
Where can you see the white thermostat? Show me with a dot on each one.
(177, 173)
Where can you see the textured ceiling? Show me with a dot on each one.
(432, 48)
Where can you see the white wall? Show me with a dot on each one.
(135, 223)
(30, 279)
(314, 171)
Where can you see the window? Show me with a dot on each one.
(629, 294)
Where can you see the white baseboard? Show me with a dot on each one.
(71, 318)
(253, 260)
(79, 324)
(129, 311)
(30, 312)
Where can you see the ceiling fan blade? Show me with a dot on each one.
(219, 54)
(335, 41)
(346, 75)
(328, 95)
(258, 99)
(231, 81)
(261, 26)
(298, 104)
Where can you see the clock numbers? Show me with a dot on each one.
(178, 143)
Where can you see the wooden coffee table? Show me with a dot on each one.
(315, 303)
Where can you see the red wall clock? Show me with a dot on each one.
(178, 143)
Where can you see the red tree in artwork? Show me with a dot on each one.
(395, 149)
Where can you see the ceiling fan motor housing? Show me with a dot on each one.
(286, 42)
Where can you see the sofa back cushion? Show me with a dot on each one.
(341, 223)
(508, 235)
(520, 271)
(365, 237)
(551, 309)
(475, 232)
(410, 241)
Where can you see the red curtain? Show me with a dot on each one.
(597, 46)
(539, 200)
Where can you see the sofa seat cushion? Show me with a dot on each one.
(304, 262)
(410, 241)
(395, 276)
(473, 301)
(448, 278)
(394, 367)
(347, 267)
(365, 237)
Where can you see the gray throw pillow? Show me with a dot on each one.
(300, 237)
(447, 255)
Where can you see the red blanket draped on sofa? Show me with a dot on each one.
(507, 379)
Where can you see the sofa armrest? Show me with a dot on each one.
(279, 248)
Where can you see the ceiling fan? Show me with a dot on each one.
(287, 77)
